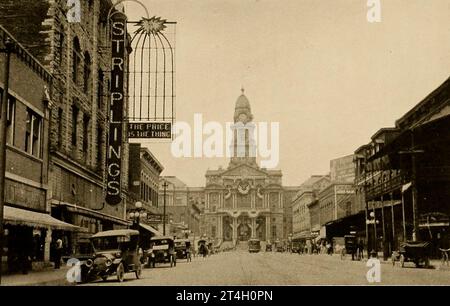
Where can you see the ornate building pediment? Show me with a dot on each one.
(244, 170)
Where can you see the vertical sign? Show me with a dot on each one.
(114, 154)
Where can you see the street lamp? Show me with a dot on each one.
(137, 213)
(372, 220)
(8, 49)
(165, 185)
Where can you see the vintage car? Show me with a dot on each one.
(162, 250)
(279, 247)
(84, 254)
(254, 245)
(116, 252)
(203, 247)
(268, 247)
(183, 249)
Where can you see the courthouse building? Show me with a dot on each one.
(245, 201)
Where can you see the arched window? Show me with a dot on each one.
(87, 73)
(76, 60)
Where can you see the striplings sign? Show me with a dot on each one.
(114, 153)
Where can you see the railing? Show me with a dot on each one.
(386, 186)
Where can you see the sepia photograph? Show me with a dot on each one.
(224, 148)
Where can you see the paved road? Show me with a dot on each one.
(243, 268)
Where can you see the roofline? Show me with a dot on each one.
(421, 103)
(25, 55)
(385, 129)
(146, 150)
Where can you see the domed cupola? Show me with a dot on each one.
(242, 110)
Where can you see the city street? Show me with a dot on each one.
(243, 268)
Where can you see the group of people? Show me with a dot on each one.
(315, 248)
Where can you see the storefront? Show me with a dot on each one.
(28, 237)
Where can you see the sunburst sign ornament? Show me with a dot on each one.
(153, 25)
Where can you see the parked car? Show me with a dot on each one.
(116, 252)
(162, 250)
(254, 245)
(183, 249)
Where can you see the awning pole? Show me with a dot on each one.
(393, 222)
(403, 216)
(384, 228)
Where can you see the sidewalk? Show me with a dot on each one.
(46, 277)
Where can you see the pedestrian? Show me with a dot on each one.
(329, 249)
(58, 252)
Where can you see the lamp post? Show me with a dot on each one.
(372, 220)
(137, 213)
(8, 49)
(165, 185)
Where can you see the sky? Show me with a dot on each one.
(318, 67)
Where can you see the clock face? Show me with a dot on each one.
(243, 117)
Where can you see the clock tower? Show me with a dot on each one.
(243, 146)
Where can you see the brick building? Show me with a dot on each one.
(78, 56)
(183, 206)
(28, 224)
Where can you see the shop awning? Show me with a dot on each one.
(18, 216)
(150, 229)
(92, 213)
(304, 236)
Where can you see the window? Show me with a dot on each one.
(213, 231)
(87, 74)
(10, 117)
(99, 146)
(86, 134)
(74, 124)
(60, 127)
(76, 60)
(61, 46)
(33, 134)
(274, 231)
(100, 89)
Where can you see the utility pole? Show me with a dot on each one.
(413, 153)
(164, 208)
(7, 49)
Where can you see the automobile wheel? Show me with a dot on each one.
(402, 260)
(120, 272)
(138, 271)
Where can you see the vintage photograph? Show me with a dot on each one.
(224, 143)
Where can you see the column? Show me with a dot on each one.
(267, 228)
(393, 244)
(220, 229)
(234, 230)
(253, 220)
(385, 251)
(48, 241)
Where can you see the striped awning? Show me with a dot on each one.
(19, 216)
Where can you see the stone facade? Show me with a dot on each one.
(245, 201)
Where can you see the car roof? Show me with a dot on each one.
(182, 240)
(161, 238)
(121, 232)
